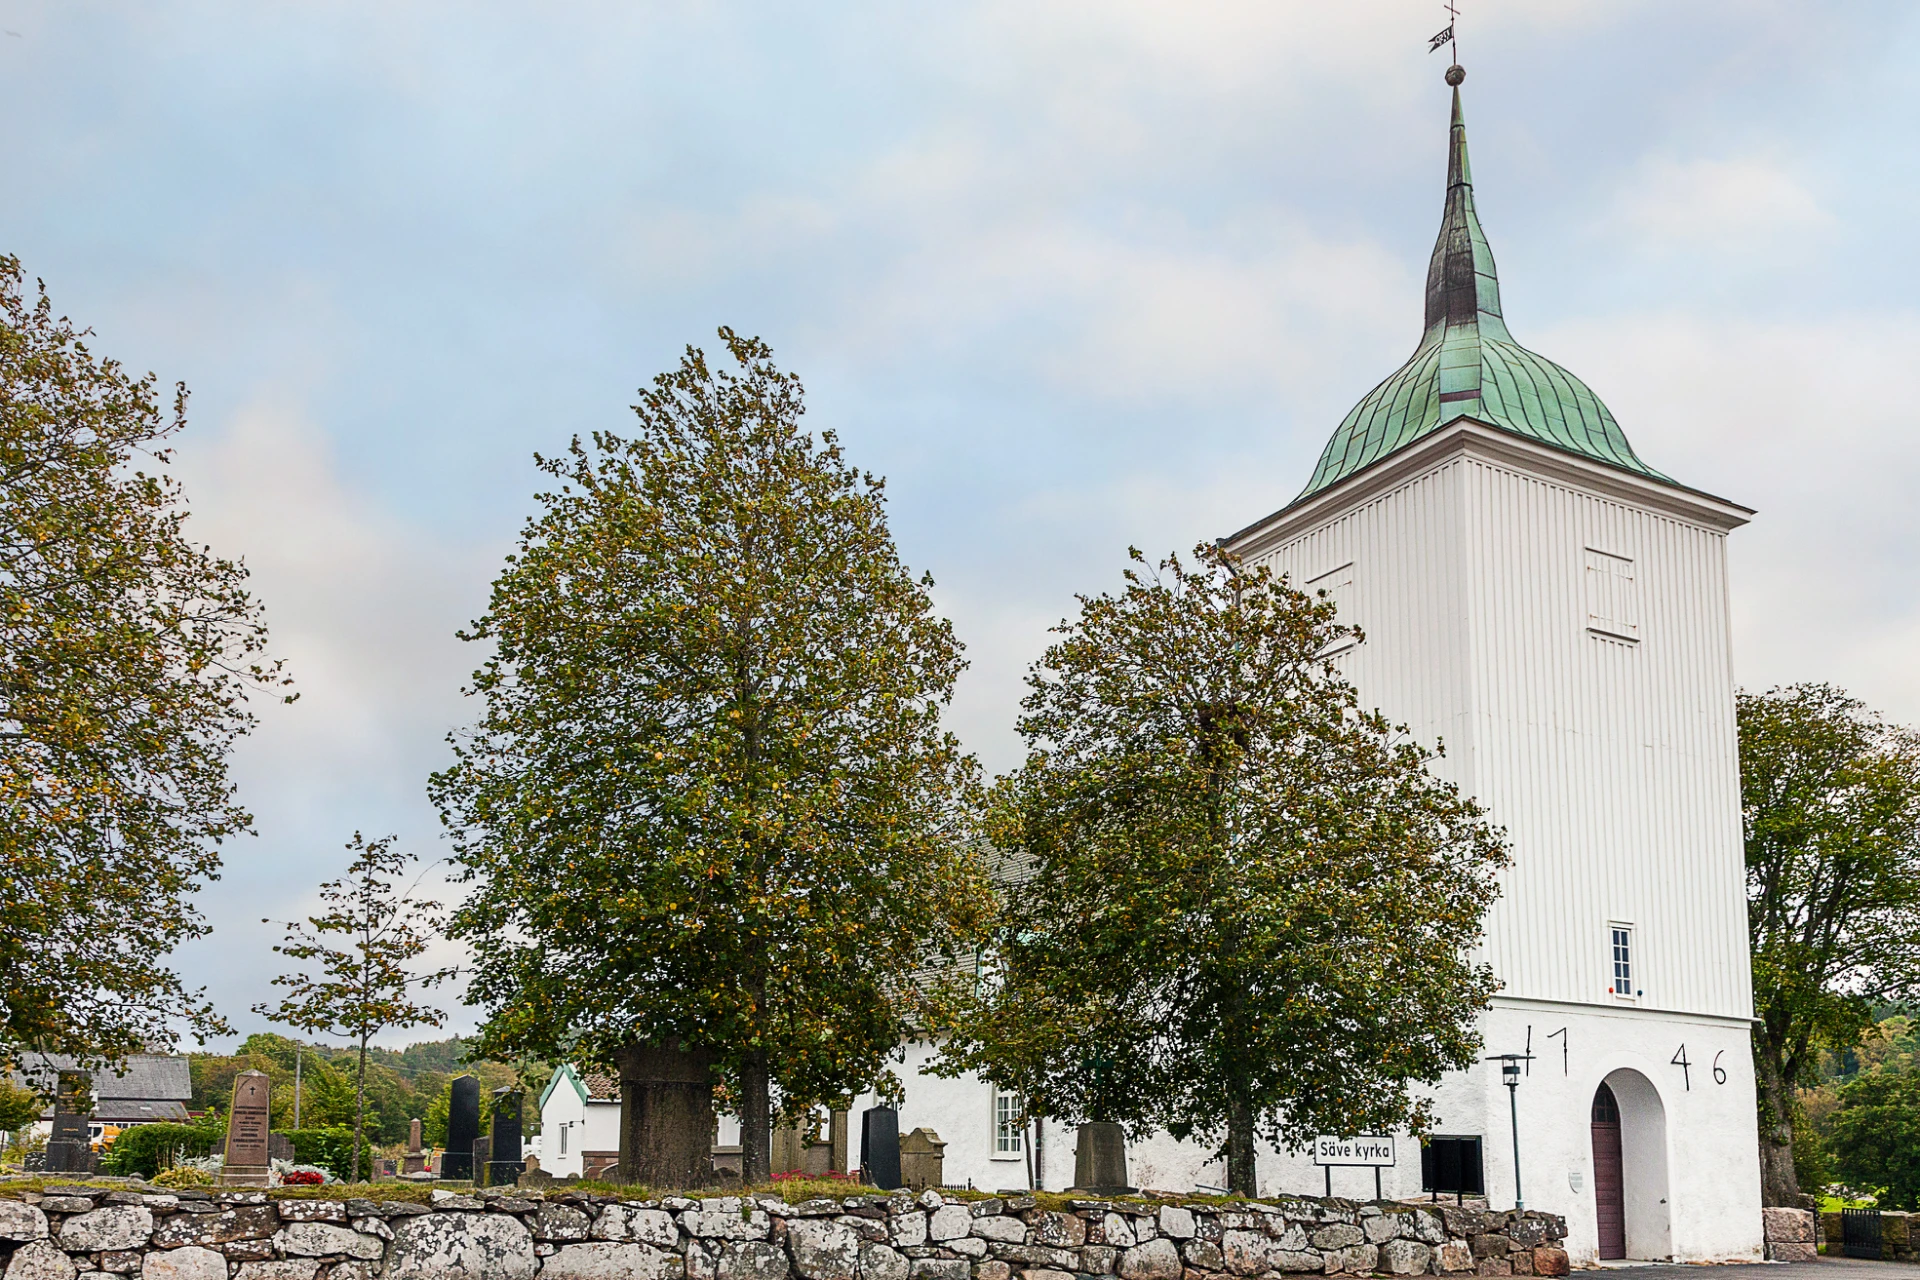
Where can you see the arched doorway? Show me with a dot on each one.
(1609, 1175)
(1628, 1126)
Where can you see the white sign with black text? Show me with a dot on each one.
(1367, 1149)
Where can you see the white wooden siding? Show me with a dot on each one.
(1612, 763)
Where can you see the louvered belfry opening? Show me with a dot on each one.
(1609, 1183)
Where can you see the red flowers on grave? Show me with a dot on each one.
(301, 1178)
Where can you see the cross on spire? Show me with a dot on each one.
(1448, 35)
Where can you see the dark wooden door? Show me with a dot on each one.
(1609, 1188)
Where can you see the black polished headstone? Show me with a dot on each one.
(880, 1147)
(68, 1150)
(463, 1126)
(503, 1169)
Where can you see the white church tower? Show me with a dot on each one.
(1554, 611)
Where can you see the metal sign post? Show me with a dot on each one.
(1368, 1150)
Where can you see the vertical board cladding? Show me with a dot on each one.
(1408, 594)
(1612, 763)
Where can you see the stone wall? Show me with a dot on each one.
(1789, 1234)
(507, 1234)
(1899, 1235)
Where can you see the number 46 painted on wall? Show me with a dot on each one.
(1679, 1059)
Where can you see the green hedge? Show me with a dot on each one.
(331, 1149)
(146, 1149)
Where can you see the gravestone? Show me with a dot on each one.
(463, 1126)
(414, 1160)
(68, 1150)
(504, 1138)
(880, 1147)
(922, 1160)
(247, 1132)
(1100, 1159)
(482, 1154)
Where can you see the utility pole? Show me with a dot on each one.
(296, 1088)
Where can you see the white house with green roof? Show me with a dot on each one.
(579, 1122)
(1554, 611)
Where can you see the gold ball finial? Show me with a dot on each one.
(1455, 74)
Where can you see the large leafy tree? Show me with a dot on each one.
(1251, 904)
(709, 812)
(1830, 799)
(1875, 1136)
(364, 985)
(127, 655)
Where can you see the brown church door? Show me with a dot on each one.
(1609, 1189)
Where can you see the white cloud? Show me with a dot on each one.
(363, 607)
(1727, 204)
(1811, 423)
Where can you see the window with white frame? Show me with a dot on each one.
(1337, 586)
(1613, 597)
(1620, 950)
(563, 1136)
(1009, 1129)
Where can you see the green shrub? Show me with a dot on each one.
(331, 1149)
(146, 1149)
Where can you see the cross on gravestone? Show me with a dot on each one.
(247, 1132)
(68, 1150)
(504, 1148)
(463, 1126)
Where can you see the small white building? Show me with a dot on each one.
(579, 1122)
(1556, 611)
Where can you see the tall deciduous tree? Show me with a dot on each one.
(1251, 905)
(709, 811)
(1830, 799)
(364, 986)
(127, 655)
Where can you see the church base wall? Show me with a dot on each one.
(1690, 1175)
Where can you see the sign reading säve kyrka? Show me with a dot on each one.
(1366, 1149)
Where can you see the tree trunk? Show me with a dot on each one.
(756, 1121)
(359, 1107)
(1242, 1178)
(1779, 1183)
(666, 1115)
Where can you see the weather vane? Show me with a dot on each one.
(1455, 73)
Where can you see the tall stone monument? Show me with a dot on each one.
(504, 1148)
(463, 1126)
(247, 1129)
(1100, 1159)
(414, 1159)
(880, 1147)
(68, 1150)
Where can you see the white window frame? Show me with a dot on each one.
(1610, 592)
(1009, 1139)
(1337, 584)
(1623, 962)
(564, 1126)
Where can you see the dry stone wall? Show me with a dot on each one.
(509, 1234)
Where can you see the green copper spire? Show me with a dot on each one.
(1467, 365)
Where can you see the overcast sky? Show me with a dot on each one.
(1071, 274)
